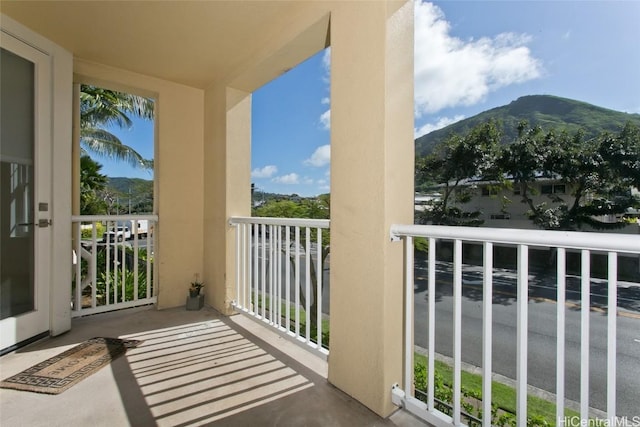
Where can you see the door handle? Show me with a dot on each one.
(43, 223)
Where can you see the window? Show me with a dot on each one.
(501, 216)
(489, 191)
(553, 189)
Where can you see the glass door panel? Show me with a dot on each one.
(25, 180)
(17, 295)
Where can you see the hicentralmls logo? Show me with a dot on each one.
(600, 422)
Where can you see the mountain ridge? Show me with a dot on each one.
(547, 111)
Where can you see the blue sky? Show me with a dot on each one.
(470, 56)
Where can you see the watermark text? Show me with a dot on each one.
(576, 421)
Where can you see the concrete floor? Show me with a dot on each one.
(193, 368)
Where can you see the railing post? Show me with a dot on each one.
(560, 331)
(457, 329)
(94, 265)
(408, 316)
(288, 278)
(487, 328)
(318, 296)
(297, 282)
(585, 310)
(263, 282)
(432, 324)
(135, 260)
(78, 305)
(612, 313)
(522, 332)
(256, 236)
(307, 288)
(238, 252)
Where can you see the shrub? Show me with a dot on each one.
(86, 233)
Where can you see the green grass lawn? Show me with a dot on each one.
(303, 320)
(502, 395)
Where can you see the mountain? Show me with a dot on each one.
(132, 194)
(122, 186)
(550, 112)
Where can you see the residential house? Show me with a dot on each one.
(502, 206)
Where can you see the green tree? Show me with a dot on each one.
(103, 107)
(599, 173)
(454, 161)
(525, 159)
(92, 183)
(280, 209)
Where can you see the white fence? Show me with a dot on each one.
(581, 246)
(113, 263)
(280, 264)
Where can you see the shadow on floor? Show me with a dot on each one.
(193, 368)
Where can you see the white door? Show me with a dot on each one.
(25, 192)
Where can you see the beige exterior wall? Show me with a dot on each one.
(371, 188)
(227, 156)
(178, 173)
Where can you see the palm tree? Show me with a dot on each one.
(92, 182)
(103, 107)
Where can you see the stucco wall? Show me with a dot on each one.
(371, 188)
(178, 173)
(227, 157)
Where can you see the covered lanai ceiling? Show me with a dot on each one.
(191, 42)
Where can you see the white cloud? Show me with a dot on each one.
(265, 172)
(325, 120)
(451, 72)
(320, 157)
(326, 61)
(292, 178)
(442, 122)
(324, 185)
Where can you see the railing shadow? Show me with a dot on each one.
(215, 373)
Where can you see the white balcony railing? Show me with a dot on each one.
(281, 277)
(571, 292)
(113, 263)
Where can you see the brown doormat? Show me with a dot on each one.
(55, 375)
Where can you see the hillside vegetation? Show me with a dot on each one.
(546, 111)
(140, 191)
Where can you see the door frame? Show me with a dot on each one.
(24, 326)
(59, 246)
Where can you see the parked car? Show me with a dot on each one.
(117, 234)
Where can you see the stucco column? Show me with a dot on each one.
(372, 157)
(227, 190)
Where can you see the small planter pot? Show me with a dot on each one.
(195, 303)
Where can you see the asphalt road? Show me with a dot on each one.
(542, 333)
(542, 329)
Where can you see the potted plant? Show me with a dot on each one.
(195, 300)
